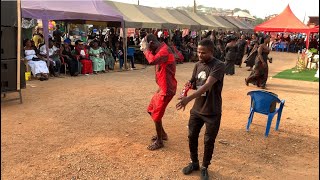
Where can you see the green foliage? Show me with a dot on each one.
(247, 11)
(258, 21)
(236, 9)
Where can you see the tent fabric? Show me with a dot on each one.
(212, 20)
(286, 21)
(225, 24)
(176, 19)
(94, 10)
(237, 22)
(204, 22)
(136, 16)
(314, 29)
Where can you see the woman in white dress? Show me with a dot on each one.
(38, 67)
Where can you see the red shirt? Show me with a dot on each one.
(165, 69)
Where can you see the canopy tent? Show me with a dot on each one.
(176, 19)
(94, 10)
(212, 20)
(246, 23)
(202, 20)
(239, 23)
(314, 29)
(136, 16)
(286, 21)
(224, 23)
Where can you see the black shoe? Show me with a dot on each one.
(191, 167)
(204, 174)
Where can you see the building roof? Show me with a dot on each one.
(243, 14)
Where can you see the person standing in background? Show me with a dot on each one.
(242, 47)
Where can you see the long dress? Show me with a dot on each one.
(109, 59)
(259, 75)
(250, 61)
(73, 64)
(98, 62)
(231, 55)
(37, 67)
(241, 48)
(84, 59)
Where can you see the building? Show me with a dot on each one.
(271, 16)
(244, 16)
(313, 21)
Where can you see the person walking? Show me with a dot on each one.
(242, 47)
(207, 80)
(231, 55)
(259, 75)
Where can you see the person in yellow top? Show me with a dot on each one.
(37, 37)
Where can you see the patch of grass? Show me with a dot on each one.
(306, 75)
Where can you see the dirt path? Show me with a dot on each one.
(96, 127)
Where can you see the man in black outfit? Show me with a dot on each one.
(207, 80)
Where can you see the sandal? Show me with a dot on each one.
(155, 146)
(155, 137)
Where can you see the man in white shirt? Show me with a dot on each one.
(54, 58)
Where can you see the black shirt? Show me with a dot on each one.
(209, 103)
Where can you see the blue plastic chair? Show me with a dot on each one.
(264, 102)
(130, 53)
(283, 46)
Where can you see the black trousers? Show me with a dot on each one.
(196, 122)
(72, 65)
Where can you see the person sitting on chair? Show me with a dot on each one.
(39, 68)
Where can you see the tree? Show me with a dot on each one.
(247, 11)
(236, 9)
(258, 21)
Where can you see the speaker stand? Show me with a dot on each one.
(4, 93)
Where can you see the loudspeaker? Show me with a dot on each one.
(8, 42)
(9, 16)
(9, 75)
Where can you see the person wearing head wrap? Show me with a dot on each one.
(69, 58)
(259, 75)
(231, 55)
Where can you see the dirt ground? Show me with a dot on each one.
(96, 127)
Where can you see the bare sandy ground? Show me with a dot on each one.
(96, 127)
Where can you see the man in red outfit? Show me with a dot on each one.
(163, 58)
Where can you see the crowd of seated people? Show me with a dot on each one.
(290, 43)
(81, 58)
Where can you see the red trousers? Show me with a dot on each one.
(86, 66)
(158, 105)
